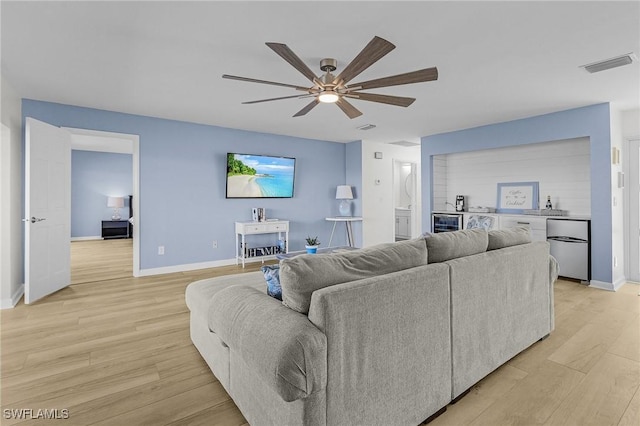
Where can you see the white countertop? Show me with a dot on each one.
(568, 217)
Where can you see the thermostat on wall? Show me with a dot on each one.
(377, 155)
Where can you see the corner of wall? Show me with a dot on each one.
(353, 176)
(12, 258)
(11, 302)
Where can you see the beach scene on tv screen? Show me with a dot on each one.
(259, 176)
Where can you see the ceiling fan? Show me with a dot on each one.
(328, 88)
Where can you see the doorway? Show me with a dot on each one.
(405, 199)
(92, 257)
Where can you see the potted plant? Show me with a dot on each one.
(312, 245)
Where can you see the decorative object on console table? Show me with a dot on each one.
(312, 245)
(345, 194)
(515, 197)
(258, 214)
(116, 203)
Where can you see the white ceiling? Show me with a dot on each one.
(497, 61)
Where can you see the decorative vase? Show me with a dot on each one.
(311, 249)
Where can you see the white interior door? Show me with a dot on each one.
(47, 209)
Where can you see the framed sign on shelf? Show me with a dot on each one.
(514, 197)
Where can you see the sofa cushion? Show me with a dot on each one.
(444, 246)
(272, 275)
(300, 276)
(501, 238)
(199, 293)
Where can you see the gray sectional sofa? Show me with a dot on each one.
(384, 335)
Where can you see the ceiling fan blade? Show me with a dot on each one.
(307, 108)
(288, 55)
(384, 99)
(351, 111)
(372, 52)
(273, 83)
(427, 74)
(277, 99)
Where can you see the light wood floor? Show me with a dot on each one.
(118, 352)
(101, 260)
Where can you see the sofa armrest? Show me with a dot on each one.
(287, 352)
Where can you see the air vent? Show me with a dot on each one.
(404, 143)
(610, 63)
(367, 127)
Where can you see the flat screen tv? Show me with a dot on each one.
(259, 176)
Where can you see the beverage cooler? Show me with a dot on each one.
(445, 222)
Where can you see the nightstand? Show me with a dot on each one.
(115, 229)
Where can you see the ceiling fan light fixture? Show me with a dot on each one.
(328, 97)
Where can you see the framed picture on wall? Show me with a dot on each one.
(514, 197)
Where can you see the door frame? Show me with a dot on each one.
(631, 217)
(135, 154)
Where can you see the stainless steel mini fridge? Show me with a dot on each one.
(569, 240)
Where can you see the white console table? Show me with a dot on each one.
(252, 228)
(347, 220)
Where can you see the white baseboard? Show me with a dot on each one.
(196, 266)
(602, 285)
(97, 237)
(619, 283)
(15, 298)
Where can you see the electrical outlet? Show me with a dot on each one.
(615, 262)
(215, 244)
(160, 250)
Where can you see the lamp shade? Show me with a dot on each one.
(115, 202)
(344, 193)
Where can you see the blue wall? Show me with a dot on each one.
(94, 177)
(182, 182)
(592, 121)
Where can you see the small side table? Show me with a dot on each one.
(347, 220)
(115, 229)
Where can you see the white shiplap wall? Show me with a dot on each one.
(440, 182)
(561, 167)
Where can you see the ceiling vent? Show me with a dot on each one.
(367, 127)
(404, 143)
(607, 64)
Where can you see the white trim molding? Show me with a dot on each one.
(602, 285)
(96, 237)
(15, 298)
(196, 266)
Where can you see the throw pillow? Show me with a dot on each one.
(272, 275)
(445, 246)
(501, 238)
(476, 221)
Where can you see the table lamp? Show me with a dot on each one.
(345, 194)
(115, 203)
